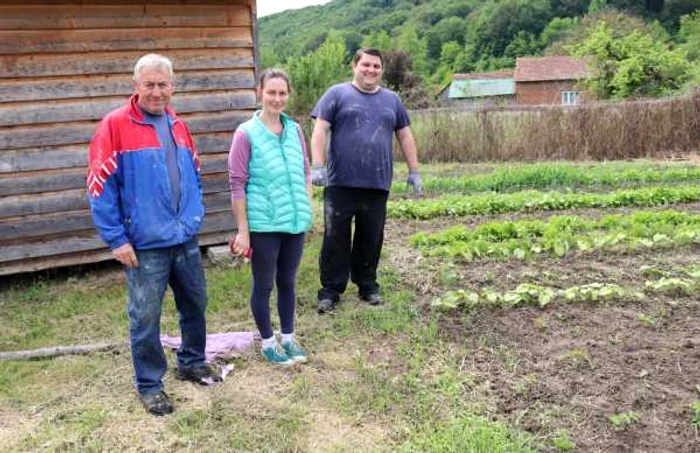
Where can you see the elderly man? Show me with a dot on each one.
(146, 201)
(363, 119)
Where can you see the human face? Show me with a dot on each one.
(274, 95)
(154, 88)
(367, 73)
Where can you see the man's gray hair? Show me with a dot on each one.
(153, 61)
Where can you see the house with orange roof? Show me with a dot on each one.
(534, 81)
(550, 80)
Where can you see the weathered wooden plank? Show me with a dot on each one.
(45, 225)
(14, 138)
(217, 142)
(70, 87)
(39, 4)
(17, 114)
(90, 240)
(38, 182)
(220, 101)
(217, 122)
(43, 203)
(19, 42)
(215, 163)
(218, 200)
(56, 112)
(212, 143)
(256, 41)
(55, 246)
(73, 3)
(53, 181)
(44, 65)
(76, 199)
(91, 256)
(51, 262)
(15, 161)
(217, 182)
(53, 17)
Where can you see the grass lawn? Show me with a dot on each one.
(379, 378)
(491, 369)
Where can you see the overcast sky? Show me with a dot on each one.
(266, 7)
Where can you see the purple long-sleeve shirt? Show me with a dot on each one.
(239, 156)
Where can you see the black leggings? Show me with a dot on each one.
(276, 257)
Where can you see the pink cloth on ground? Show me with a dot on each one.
(219, 345)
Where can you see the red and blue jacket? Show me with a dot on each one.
(129, 186)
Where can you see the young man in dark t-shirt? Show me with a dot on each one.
(362, 118)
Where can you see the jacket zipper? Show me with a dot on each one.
(289, 178)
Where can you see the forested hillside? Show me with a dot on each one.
(441, 37)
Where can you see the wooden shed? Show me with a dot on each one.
(64, 65)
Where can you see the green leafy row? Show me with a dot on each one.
(676, 281)
(533, 294)
(561, 235)
(528, 201)
(543, 176)
(541, 296)
(691, 271)
(672, 286)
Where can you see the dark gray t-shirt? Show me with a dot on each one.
(167, 142)
(362, 132)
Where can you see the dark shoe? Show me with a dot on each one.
(326, 306)
(156, 403)
(202, 375)
(373, 299)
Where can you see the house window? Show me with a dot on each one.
(569, 97)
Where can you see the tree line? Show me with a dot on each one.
(636, 48)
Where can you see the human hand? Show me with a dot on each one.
(414, 181)
(125, 254)
(319, 176)
(240, 245)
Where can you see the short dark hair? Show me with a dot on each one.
(274, 73)
(369, 51)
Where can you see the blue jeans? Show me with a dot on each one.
(181, 267)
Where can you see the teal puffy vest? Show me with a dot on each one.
(276, 195)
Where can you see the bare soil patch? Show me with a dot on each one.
(572, 366)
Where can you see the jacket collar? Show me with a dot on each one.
(284, 118)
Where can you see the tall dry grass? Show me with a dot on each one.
(600, 131)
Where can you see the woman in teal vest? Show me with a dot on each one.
(270, 183)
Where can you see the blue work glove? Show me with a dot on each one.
(319, 176)
(415, 182)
